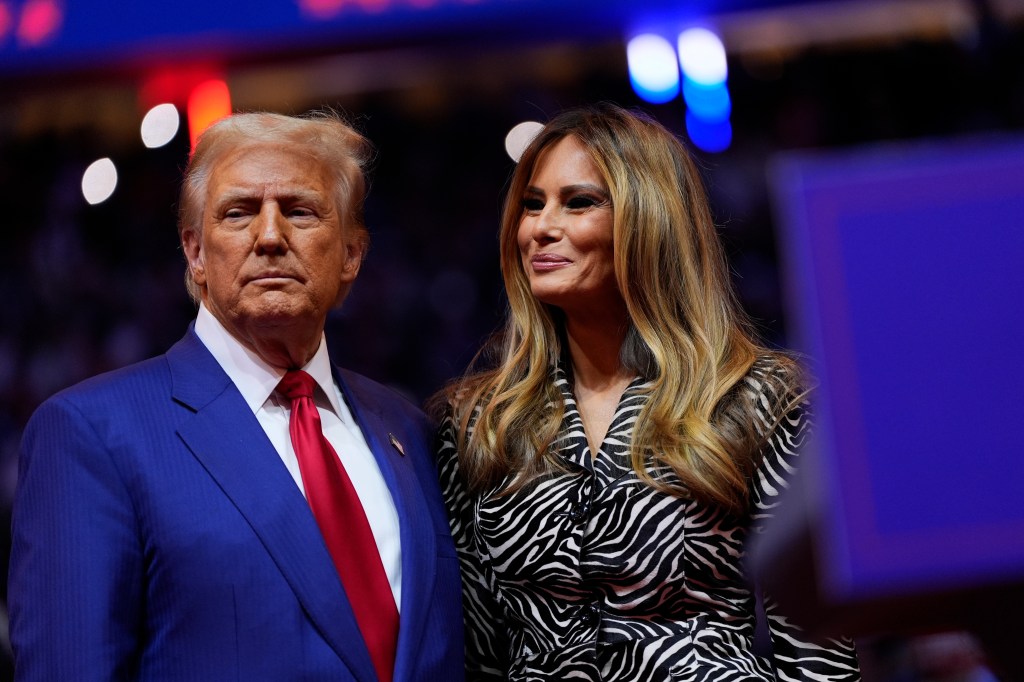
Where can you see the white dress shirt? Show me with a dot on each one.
(256, 381)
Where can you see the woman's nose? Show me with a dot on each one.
(547, 224)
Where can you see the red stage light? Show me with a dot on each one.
(327, 9)
(6, 20)
(174, 84)
(321, 9)
(40, 20)
(208, 102)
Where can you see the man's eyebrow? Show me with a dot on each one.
(232, 195)
(308, 195)
(285, 195)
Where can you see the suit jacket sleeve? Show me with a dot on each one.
(76, 571)
(486, 636)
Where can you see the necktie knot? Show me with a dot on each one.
(296, 384)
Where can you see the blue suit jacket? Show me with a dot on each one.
(159, 536)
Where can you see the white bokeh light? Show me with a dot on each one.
(99, 181)
(160, 125)
(653, 67)
(520, 137)
(702, 56)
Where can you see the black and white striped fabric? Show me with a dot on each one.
(590, 574)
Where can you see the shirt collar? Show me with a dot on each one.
(254, 378)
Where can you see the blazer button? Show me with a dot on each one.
(590, 614)
(580, 511)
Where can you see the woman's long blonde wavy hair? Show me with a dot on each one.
(688, 337)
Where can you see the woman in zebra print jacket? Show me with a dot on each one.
(604, 470)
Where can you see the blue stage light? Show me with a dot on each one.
(710, 136)
(702, 56)
(709, 102)
(653, 68)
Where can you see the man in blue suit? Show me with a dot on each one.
(161, 524)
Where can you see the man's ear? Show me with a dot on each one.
(355, 251)
(192, 245)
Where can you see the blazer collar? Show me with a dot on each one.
(392, 438)
(224, 435)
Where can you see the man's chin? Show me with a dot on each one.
(276, 308)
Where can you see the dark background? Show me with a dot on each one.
(88, 288)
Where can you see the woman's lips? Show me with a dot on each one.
(543, 262)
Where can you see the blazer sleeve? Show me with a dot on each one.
(76, 570)
(486, 635)
(794, 656)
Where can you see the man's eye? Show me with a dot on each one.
(533, 205)
(233, 213)
(301, 213)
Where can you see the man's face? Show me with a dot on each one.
(274, 252)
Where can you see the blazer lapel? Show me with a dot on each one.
(419, 546)
(229, 442)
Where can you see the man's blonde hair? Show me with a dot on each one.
(324, 135)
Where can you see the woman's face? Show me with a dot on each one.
(565, 233)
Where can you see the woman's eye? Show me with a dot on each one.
(580, 202)
(533, 205)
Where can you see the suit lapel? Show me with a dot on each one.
(419, 549)
(229, 442)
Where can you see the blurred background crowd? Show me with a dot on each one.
(87, 288)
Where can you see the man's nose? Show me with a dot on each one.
(271, 230)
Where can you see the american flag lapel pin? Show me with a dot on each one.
(396, 444)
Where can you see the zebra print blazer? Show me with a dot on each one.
(593, 575)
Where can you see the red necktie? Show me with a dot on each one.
(344, 526)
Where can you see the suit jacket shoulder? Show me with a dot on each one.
(388, 398)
